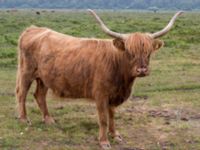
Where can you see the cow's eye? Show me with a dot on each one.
(130, 56)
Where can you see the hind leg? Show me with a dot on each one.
(40, 96)
(23, 84)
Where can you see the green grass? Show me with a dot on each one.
(173, 87)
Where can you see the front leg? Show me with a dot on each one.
(115, 134)
(102, 109)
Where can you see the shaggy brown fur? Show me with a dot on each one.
(98, 69)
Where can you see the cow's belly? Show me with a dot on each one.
(67, 87)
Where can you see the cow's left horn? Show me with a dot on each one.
(105, 28)
(168, 27)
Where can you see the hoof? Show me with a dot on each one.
(25, 121)
(118, 138)
(49, 120)
(105, 145)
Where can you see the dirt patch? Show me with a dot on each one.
(174, 114)
(137, 98)
(162, 113)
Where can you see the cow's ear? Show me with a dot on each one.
(157, 44)
(119, 44)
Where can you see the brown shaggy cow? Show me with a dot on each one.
(99, 69)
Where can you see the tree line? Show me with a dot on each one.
(102, 4)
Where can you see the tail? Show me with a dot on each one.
(20, 58)
(20, 45)
(19, 63)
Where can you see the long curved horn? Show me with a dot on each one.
(105, 28)
(168, 27)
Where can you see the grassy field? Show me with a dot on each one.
(163, 113)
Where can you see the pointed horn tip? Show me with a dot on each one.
(180, 13)
(90, 10)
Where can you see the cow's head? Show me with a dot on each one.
(138, 47)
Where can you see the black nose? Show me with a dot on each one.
(141, 70)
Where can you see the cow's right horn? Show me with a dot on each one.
(167, 28)
(105, 28)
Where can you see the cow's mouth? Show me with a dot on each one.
(141, 75)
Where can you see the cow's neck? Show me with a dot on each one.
(122, 76)
(117, 62)
(122, 81)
